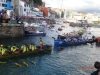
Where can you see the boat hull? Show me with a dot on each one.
(29, 33)
(46, 50)
(62, 43)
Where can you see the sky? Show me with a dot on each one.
(88, 6)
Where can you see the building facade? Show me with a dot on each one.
(26, 8)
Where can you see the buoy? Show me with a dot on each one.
(17, 64)
(33, 62)
(25, 63)
(2, 62)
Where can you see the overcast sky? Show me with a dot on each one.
(88, 6)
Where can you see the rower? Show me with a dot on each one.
(1, 48)
(24, 48)
(13, 48)
(32, 47)
(3, 51)
(41, 43)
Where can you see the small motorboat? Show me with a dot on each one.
(60, 29)
(34, 33)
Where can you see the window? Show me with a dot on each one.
(24, 9)
(3, 5)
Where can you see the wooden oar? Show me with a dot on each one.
(14, 62)
(2, 62)
(22, 60)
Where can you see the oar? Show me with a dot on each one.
(14, 62)
(22, 60)
(2, 62)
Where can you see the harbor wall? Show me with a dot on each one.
(8, 30)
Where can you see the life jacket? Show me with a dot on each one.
(32, 47)
(41, 41)
(13, 48)
(24, 48)
(1, 48)
(3, 51)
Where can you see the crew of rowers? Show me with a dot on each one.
(79, 39)
(24, 48)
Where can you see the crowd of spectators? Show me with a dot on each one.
(5, 18)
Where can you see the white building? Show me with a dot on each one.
(23, 8)
(3, 4)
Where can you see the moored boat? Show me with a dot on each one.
(34, 33)
(46, 49)
(60, 29)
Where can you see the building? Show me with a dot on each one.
(3, 4)
(6, 5)
(26, 8)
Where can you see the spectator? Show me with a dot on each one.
(97, 66)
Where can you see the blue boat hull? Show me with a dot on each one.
(30, 33)
(62, 43)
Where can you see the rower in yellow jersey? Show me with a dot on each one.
(2, 50)
(14, 49)
(32, 47)
(24, 48)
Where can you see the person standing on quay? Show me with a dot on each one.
(97, 66)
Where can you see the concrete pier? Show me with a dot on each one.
(11, 30)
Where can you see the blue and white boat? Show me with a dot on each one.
(63, 43)
(34, 33)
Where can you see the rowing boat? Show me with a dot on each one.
(63, 43)
(46, 49)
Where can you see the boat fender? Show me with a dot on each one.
(17, 64)
(25, 63)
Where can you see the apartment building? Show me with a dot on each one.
(26, 8)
